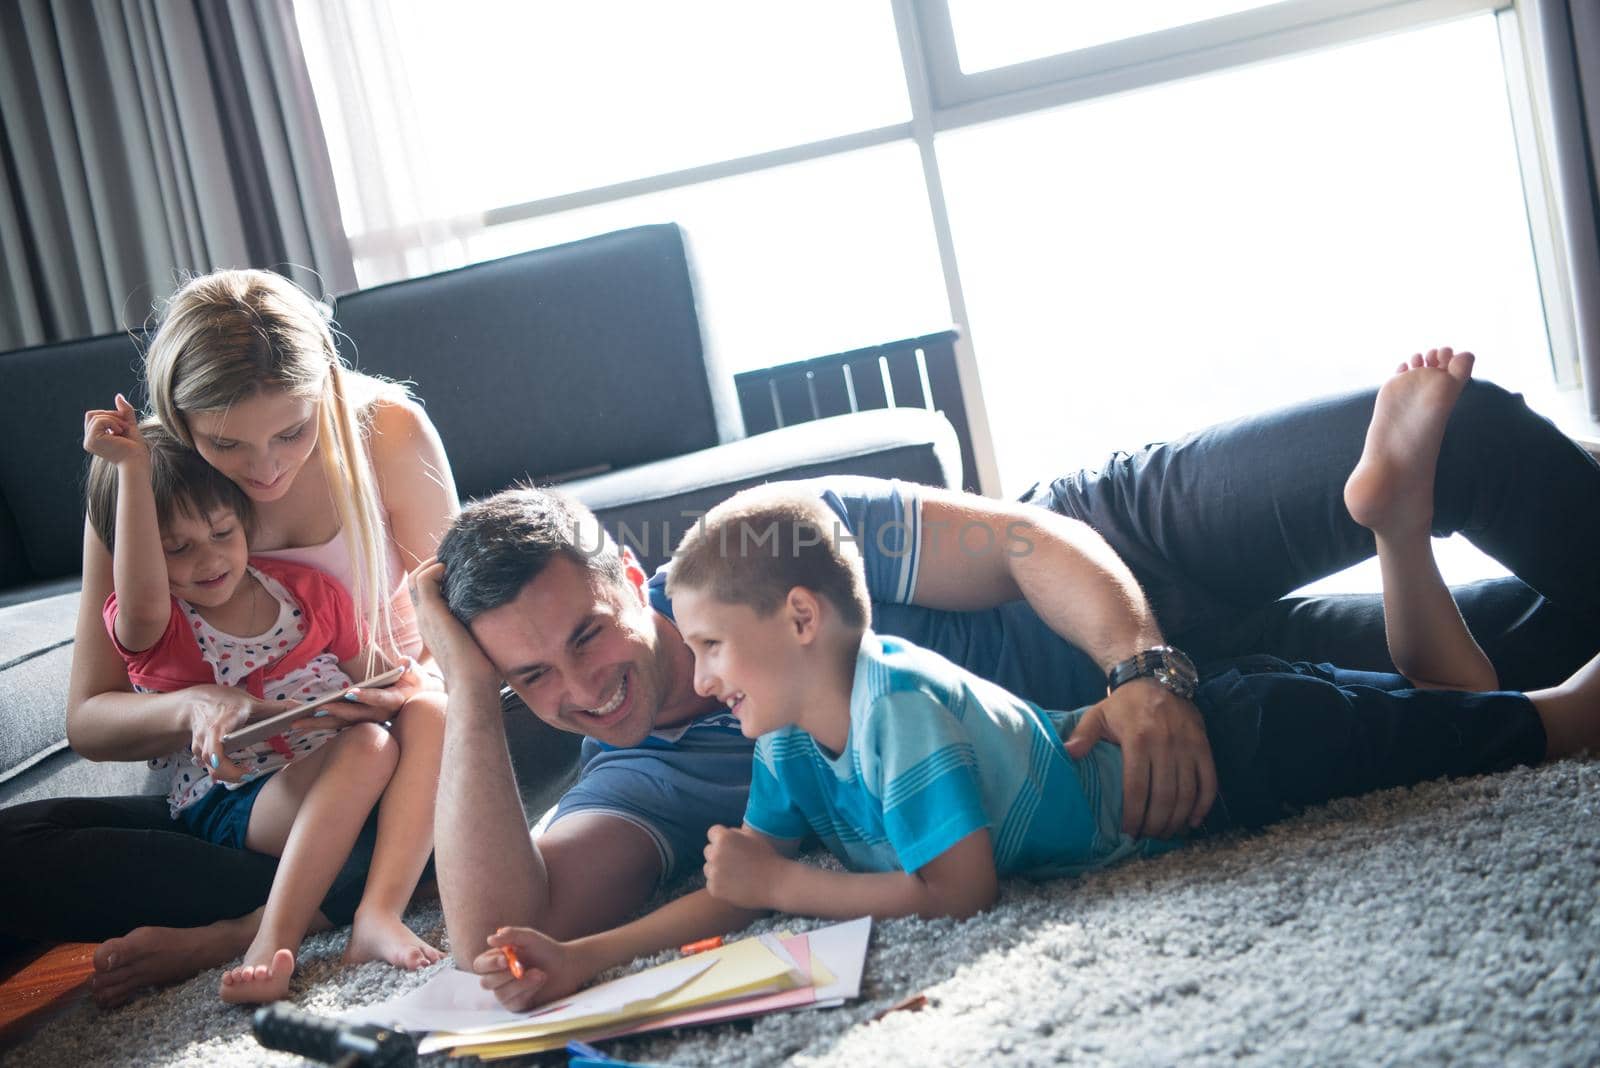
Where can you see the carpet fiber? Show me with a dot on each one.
(1452, 923)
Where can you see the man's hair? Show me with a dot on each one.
(183, 483)
(755, 547)
(498, 545)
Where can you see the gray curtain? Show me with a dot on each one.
(142, 140)
(1568, 32)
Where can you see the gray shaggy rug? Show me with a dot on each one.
(1451, 923)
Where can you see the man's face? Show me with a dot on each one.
(580, 651)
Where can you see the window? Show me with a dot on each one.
(1214, 205)
(999, 33)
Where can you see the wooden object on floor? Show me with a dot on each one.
(34, 985)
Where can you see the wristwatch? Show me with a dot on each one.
(1168, 666)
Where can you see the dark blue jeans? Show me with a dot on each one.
(1285, 736)
(1221, 525)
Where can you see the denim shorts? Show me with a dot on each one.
(222, 816)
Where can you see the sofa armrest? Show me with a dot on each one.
(642, 506)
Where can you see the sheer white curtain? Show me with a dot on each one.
(383, 146)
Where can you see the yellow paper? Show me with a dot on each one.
(743, 968)
(821, 976)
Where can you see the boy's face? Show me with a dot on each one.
(206, 556)
(747, 661)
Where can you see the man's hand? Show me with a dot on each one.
(550, 969)
(1168, 778)
(742, 867)
(453, 647)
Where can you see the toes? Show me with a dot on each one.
(106, 955)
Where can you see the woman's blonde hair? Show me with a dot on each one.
(225, 337)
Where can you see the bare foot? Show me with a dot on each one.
(1390, 491)
(152, 956)
(376, 935)
(258, 984)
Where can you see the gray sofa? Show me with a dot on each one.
(582, 364)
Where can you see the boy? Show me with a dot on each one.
(929, 783)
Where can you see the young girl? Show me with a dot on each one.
(191, 608)
(930, 783)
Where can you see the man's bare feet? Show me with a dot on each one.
(377, 935)
(258, 984)
(1390, 491)
(152, 956)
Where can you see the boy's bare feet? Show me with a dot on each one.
(377, 935)
(1391, 489)
(257, 984)
(152, 956)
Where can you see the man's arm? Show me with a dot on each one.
(553, 968)
(977, 553)
(589, 872)
(746, 876)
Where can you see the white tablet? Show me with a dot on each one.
(263, 729)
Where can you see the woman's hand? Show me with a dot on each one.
(113, 434)
(372, 705)
(741, 866)
(213, 711)
(550, 969)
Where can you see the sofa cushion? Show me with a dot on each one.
(48, 388)
(582, 356)
(35, 659)
(643, 506)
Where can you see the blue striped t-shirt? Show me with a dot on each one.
(934, 754)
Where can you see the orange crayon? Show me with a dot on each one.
(699, 947)
(512, 962)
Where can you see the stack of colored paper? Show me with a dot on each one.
(751, 977)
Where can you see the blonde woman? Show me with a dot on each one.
(345, 473)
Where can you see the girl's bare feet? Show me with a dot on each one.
(1391, 489)
(379, 935)
(258, 984)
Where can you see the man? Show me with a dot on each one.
(1219, 525)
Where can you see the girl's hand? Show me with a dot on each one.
(550, 969)
(741, 866)
(214, 711)
(113, 435)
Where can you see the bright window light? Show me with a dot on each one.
(998, 33)
(520, 101)
(792, 262)
(1142, 265)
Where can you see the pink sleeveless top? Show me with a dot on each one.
(333, 557)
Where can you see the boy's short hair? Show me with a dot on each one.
(183, 483)
(755, 547)
(498, 545)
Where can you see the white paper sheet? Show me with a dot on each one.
(455, 1001)
(843, 948)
